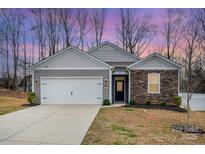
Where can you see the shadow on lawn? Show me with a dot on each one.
(29, 105)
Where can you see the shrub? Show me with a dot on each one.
(148, 103)
(106, 102)
(132, 102)
(32, 98)
(162, 104)
(177, 100)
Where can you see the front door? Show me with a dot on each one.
(119, 90)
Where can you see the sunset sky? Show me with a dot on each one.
(112, 18)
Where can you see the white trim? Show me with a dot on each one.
(129, 84)
(76, 77)
(32, 80)
(148, 90)
(40, 90)
(178, 82)
(69, 49)
(71, 77)
(72, 68)
(157, 55)
(153, 69)
(110, 85)
(123, 89)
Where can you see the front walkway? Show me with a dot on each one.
(114, 105)
(47, 124)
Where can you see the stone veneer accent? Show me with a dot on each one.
(139, 86)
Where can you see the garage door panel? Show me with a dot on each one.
(71, 91)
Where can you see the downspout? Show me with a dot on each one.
(32, 80)
(178, 82)
(110, 85)
(129, 87)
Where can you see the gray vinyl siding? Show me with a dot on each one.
(72, 59)
(107, 53)
(70, 73)
(154, 63)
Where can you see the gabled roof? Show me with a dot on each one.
(69, 49)
(113, 54)
(161, 58)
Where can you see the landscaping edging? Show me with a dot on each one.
(157, 106)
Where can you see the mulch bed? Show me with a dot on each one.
(30, 105)
(157, 106)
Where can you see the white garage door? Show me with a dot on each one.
(71, 90)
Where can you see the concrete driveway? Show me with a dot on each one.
(47, 124)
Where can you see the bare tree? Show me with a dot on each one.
(33, 46)
(190, 59)
(38, 28)
(1, 47)
(172, 30)
(67, 20)
(15, 19)
(97, 23)
(4, 33)
(2, 56)
(82, 22)
(135, 32)
(53, 30)
(121, 29)
(24, 61)
(199, 15)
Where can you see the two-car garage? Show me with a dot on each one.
(71, 77)
(75, 90)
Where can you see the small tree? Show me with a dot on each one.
(190, 59)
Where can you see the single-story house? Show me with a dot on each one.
(72, 76)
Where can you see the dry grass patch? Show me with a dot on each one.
(121, 125)
(11, 101)
(12, 93)
(10, 104)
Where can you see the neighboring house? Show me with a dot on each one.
(26, 80)
(105, 72)
(4, 82)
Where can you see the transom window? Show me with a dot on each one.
(153, 83)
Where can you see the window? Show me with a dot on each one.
(119, 86)
(153, 83)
